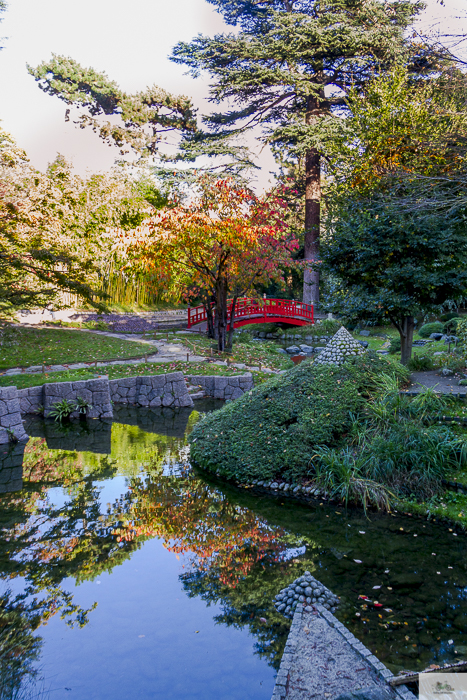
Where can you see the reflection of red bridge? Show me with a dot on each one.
(264, 311)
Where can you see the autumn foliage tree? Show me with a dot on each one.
(218, 247)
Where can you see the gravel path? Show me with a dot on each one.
(444, 385)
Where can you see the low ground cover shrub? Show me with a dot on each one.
(428, 328)
(348, 428)
(420, 363)
(274, 429)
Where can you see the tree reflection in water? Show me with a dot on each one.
(227, 551)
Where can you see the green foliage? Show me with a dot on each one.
(394, 346)
(62, 410)
(143, 118)
(387, 251)
(461, 332)
(82, 406)
(420, 363)
(428, 328)
(327, 327)
(275, 429)
(450, 325)
(448, 316)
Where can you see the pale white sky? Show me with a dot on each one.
(130, 41)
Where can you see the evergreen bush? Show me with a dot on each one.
(420, 363)
(450, 325)
(395, 346)
(428, 328)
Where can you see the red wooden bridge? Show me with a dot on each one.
(248, 311)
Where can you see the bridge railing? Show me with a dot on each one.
(260, 311)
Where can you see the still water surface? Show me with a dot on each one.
(126, 575)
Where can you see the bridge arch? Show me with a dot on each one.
(248, 311)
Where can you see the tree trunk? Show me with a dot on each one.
(221, 315)
(312, 209)
(210, 321)
(231, 324)
(406, 333)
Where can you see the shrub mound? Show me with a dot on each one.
(348, 428)
(429, 328)
(274, 429)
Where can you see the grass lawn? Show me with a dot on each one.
(23, 347)
(249, 353)
(22, 381)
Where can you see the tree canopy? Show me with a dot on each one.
(397, 239)
(144, 118)
(287, 70)
(220, 244)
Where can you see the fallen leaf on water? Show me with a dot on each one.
(196, 631)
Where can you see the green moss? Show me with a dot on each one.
(274, 429)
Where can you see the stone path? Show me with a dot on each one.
(432, 379)
(322, 660)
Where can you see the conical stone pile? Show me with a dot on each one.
(339, 348)
(306, 590)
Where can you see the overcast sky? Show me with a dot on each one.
(130, 41)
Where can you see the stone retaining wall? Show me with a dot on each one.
(152, 391)
(94, 391)
(11, 424)
(11, 467)
(223, 387)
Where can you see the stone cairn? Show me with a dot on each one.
(339, 348)
(306, 590)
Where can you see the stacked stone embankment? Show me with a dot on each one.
(94, 391)
(167, 390)
(11, 424)
(224, 388)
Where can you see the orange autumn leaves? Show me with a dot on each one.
(223, 235)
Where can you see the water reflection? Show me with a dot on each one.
(81, 515)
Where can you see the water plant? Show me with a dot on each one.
(82, 406)
(62, 410)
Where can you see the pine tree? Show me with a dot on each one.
(287, 70)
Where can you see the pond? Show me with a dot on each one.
(126, 574)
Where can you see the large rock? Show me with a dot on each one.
(293, 350)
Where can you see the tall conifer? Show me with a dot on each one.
(287, 69)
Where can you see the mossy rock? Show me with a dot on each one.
(273, 430)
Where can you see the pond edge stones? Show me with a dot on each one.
(305, 590)
(341, 346)
(11, 424)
